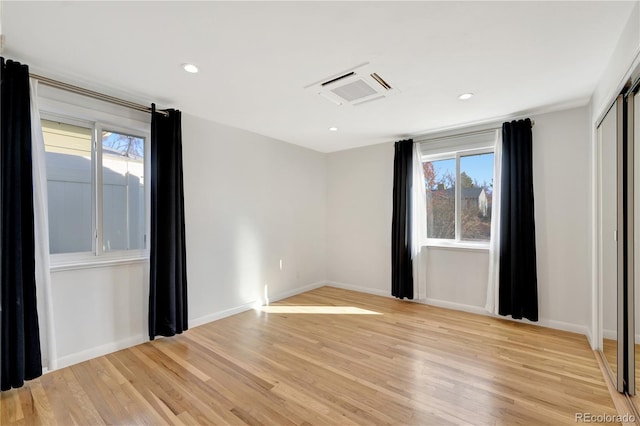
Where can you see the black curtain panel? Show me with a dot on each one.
(401, 264)
(518, 292)
(168, 274)
(20, 347)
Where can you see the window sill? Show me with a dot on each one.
(90, 262)
(456, 245)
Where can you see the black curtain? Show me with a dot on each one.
(20, 348)
(168, 274)
(401, 264)
(518, 293)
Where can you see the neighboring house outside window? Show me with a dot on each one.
(459, 189)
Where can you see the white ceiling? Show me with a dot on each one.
(255, 59)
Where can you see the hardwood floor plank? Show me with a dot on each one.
(329, 357)
(42, 412)
(70, 400)
(108, 404)
(180, 355)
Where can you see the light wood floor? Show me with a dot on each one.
(386, 362)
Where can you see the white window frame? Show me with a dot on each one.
(446, 149)
(97, 121)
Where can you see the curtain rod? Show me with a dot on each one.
(95, 95)
(426, 138)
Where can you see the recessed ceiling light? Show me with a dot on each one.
(465, 96)
(190, 68)
(333, 129)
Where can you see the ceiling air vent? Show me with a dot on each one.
(356, 86)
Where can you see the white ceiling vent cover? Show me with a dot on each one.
(356, 86)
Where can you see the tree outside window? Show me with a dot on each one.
(474, 175)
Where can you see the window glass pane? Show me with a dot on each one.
(476, 181)
(441, 209)
(122, 192)
(68, 160)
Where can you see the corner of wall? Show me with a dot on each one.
(624, 59)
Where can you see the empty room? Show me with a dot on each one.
(320, 213)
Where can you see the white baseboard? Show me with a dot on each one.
(205, 319)
(479, 310)
(455, 306)
(561, 325)
(612, 334)
(558, 325)
(295, 291)
(108, 348)
(589, 335)
(360, 289)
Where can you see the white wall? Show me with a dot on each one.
(359, 184)
(249, 202)
(562, 190)
(359, 207)
(99, 310)
(457, 278)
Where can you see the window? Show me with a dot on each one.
(122, 191)
(459, 190)
(96, 188)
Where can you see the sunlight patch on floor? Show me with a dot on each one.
(326, 310)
